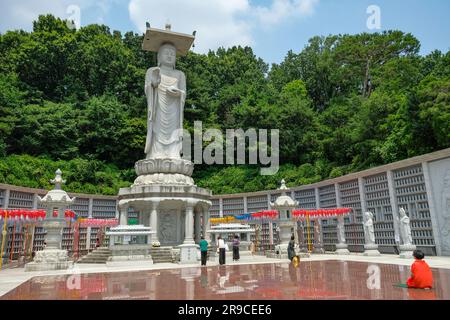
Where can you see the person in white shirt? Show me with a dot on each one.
(222, 247)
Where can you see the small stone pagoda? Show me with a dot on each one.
(53, 257)
(284, 204)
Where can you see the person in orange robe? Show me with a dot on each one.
(421, 276)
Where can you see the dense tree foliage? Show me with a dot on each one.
(74, 99)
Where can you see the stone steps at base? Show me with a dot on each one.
(92, 261)
(98, 256)
(161, 255)
(94, 258)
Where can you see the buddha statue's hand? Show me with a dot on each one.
(156, 77)
(173, 91)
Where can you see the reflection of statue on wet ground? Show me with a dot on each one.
(222, 278)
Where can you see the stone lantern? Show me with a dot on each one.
(284, 204)
(53, 257)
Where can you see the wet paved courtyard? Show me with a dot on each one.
(310, 280)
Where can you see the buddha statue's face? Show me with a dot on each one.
(167, 55)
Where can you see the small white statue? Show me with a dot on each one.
(341, 231)
(405, 228)
(369, 232)
(317, 233)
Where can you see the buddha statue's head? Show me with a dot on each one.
(402, 212)
(167, 55)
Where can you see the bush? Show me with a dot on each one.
(82, 176)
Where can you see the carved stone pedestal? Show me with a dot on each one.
(49, 259)
(52, 257)
(406, 251)
(188, 253)
(168, 209)
(342, 248)
(371, 250)
(164, 171)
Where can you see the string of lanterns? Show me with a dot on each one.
(27, 215)
(267, 214)
(226, 219)
(300, 214)
(25, 218)
(32, 215)
(85, 222)
(303, 214)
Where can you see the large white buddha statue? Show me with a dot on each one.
(165, 88)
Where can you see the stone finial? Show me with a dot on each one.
(168, 26)
(58, 181)
(283, 201)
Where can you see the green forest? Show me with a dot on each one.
(74, 99)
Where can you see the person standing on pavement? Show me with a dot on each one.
(236, 244)
(221, 245)
(203, 250)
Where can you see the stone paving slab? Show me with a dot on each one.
(11, 278)
(321, 279)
